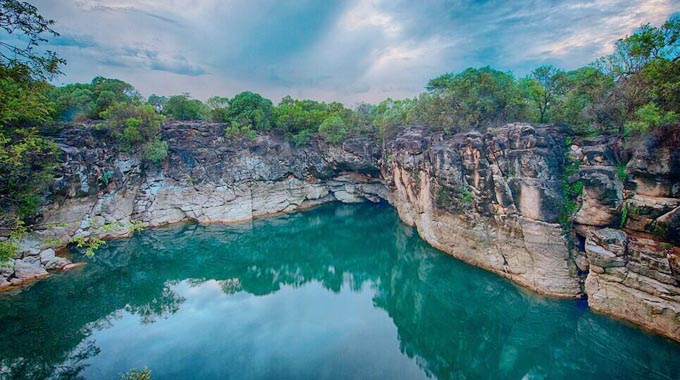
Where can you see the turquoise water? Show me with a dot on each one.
(337, 292)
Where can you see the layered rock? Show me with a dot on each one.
(497, 200)
(492, 200)
(630, 232)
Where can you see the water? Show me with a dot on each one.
(338, 292)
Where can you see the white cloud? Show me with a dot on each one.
(355, 50)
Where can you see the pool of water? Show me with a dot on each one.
(337, 292)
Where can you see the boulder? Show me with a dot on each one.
(25, 270)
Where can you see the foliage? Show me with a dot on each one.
(542, 87)
(651, 116)
(22, 21)
(390, 114)
(466, 196)
(9, 247)
(302, 138)
(182, 107)
(27, 160)
(237, 130)
(106, 177)
(89, 243)
(585, 101)
(137, 225)
(157, 102)
(249, 111)
(217, 108)
(292, 115)
(624, 216)
(621, 172)
(572, 190)
(8, 251)
(474, 98)
(137, 128)
(137, 374)
(81, 101)
(333, 129)
(300, 119)
(156, 151)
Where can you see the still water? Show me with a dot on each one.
(337, 292)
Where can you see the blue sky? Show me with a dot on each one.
(351, 51)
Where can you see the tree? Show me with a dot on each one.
(157, 102)
(333, 129)
(474, 98)
(27, 160)
(137, 128)
(81, 101)
(182, 107)
(646, 66)
(587, 103)
(543, 87)
(391, 114)
(22, 20)
(249, 110)
(217, 108)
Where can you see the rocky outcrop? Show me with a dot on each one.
(630, 241)
(564, 218)
(492, 200)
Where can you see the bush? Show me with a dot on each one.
(156, 151)
(137, 128)
(8, 250)
(649, 117)
(182, 107)
(236, 130)
(333, 129)
(302, 138)
(137, 374)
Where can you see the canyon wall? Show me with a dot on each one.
(501, 200)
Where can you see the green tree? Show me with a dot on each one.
(137, 128)
(27, 160)
(474, 98)
(543, 87)
(250, 111)
(157, 102)
(217, 108)
(81, 101)
(333, 129)
(587, 104)
(182, 107)
(22, 20)
(390, 114)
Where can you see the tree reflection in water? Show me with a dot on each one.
(456, 321)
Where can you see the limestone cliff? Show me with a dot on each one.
(497, 200)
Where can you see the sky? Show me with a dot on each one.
(350, 51)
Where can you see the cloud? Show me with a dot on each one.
(80, 41)
(352, 50)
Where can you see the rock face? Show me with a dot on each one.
(491, 200)
(497, 200)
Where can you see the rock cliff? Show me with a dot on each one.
(563, 218)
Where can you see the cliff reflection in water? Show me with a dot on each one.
(328, 277)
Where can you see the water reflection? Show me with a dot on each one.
(297, 295)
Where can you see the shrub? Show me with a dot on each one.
(236, 130)
(136, 374)
(90, 243)
(137, 128)
(302, 137)
(156, 151)
(333, 129)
